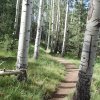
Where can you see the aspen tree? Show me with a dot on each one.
(57, 27)
(24, 37)
(38, 35)
(16, 27)
(65, 30)
(52, 24)
(89, 52)
(58, 17)
(48, 41)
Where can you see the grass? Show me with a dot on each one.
(43, 77)
(73, 60)
(96, 81)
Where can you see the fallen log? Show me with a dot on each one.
(9, 72)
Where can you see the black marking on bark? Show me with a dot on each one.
(85, 51)
(89, 59)
(84, 57)
(24, 11)
(27, 4)
(98, 25)
(28, 30)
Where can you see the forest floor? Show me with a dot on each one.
(67, 86)
(45, 76)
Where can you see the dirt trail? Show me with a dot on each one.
(67, 86)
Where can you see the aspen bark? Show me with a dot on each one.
(58, 17)
(16, 25)
(89, 52)
(57, 27)
(65, 30)
(24, 37)
(52, 24)
(38, 35)
(48, 41)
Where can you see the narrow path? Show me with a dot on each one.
(67, 86)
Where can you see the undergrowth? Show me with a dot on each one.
(43, 77)
(96, 81)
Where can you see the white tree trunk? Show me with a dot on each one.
(17, 16)
(39, 28)
(88, 52)
(57, 27)
(48, 17)
(65, 30)
(24, 37)
(48, 42)
(52, 24)
(58, 17)
(53, 12)
(49, 30)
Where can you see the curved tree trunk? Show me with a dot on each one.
(24, 37)
(88, 52)
(65, 30)
(38, 35)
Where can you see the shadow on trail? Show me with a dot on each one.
(60, 95)
(68, 81)
(66, 87)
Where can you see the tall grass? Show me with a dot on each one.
(95, 90)
(43, 77)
